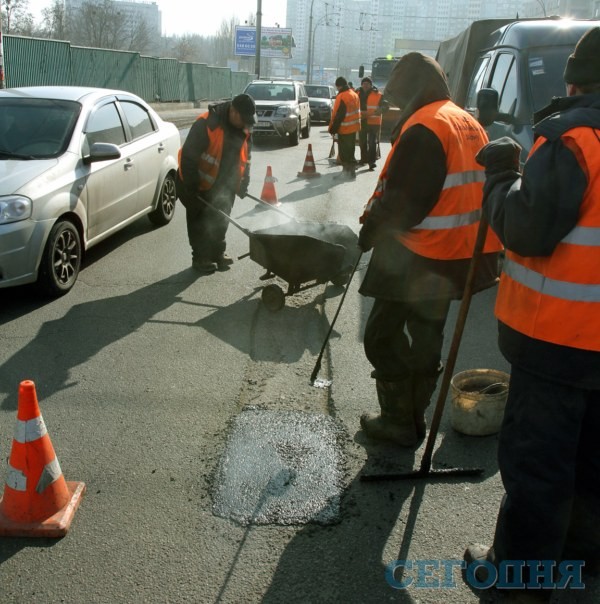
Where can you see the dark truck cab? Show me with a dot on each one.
(503, 72)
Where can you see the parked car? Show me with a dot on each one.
(320, 99)
(282, 109)
(76, 165)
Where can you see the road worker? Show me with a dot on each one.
(214, 163)
(548, 310)
(372, 107)
(345, 122)
(421, 222)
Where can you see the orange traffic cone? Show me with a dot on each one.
(38, 501)
(268, 193)
(309, 170)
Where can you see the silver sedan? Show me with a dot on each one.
(76, 165)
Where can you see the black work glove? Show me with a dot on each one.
(366, 237)
(499, 156)
(243, 192)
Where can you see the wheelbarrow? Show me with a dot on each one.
(303, 254)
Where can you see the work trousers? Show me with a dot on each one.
(549, 460)
(368, 137)
(388, 347)
(206, 228)
(346, 144)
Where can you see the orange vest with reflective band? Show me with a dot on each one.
(556, 298)
(210, 160)
(351, 121)
(450, 230)
(372, 105)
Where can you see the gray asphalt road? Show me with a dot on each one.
(147, 375)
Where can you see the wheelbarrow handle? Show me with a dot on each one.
(227, 216)
(276, 209)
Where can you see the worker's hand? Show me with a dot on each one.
(331, 130)
(499, 156)
(366, 238)
(243, 192)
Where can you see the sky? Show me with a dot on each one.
(193, 16)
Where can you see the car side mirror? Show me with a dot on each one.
(487, 106)
(102, 152)
(303, 99)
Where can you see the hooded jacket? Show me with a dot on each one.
(416, 171)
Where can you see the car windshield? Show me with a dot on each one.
(36, 128)
(546, 68)
(319, 92)
(383, 69)
(267, 91)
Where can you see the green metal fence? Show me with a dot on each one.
(38, 62)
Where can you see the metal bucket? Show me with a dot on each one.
(478, 401)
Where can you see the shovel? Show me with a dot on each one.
(425, 470)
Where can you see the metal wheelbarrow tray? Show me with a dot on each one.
(304, 254)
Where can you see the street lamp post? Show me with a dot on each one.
(258, 37)
(310, 43)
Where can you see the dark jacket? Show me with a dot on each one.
(531, 214)
(334, 126)
(417, 171)
(363, 96)
(197, 142)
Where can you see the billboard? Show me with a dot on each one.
(274, 42)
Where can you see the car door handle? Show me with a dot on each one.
(161, 148)
(128, 164)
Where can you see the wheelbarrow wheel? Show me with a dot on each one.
(341, 279)
(273, 297)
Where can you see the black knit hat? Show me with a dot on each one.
(246, 108)
(341, 81)
(583, 66)
(367, 79)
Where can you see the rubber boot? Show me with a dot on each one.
(396, 421)
(423, 388)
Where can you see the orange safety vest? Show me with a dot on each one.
(373, 100)
(450, 230)
(210, 160)
(351, 122)
(556, 298)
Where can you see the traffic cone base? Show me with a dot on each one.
(54, 527)
(309, 170)
(268, 193)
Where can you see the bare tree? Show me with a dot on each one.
(16, 18)
(54, 21)
(224, 41)
(102, 24)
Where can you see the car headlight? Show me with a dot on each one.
(286, 111)
(14, 208)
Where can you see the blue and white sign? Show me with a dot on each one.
(274, 41)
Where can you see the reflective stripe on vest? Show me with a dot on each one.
(450, 230)
(556, 298)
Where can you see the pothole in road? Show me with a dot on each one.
(280, 467)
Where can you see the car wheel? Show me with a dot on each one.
(306, 129)
(167, 197)
(295, 136)
(61, 260)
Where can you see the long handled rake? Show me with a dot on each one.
(425, 470)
